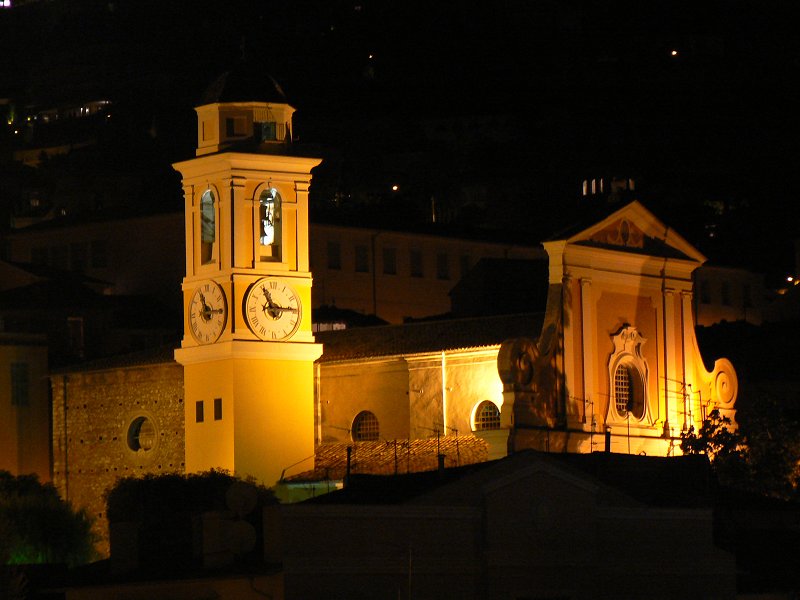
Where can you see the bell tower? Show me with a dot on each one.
(247, 350)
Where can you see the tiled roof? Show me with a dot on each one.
(684, 482)
(394, 457)
(151, 356)
(428, 336)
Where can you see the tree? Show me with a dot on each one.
(38, 527)
(166, 510)
(761, 455)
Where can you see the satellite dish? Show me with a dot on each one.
(241, 498)
(241, 538)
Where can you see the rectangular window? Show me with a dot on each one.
(464, 265)
(726, 293)
(747, 300)
(442, 266)
(235, 126)
(199, 417)
(362, 259)
(268, 131)
(389, 261)
(334, 255)
(75, 330)
(218, 409)
(78, 256)
(58, 257)
(98, 251)
(415, 260)
(705, 293)
(39, 256)
(20, 379)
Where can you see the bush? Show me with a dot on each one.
(38, 527)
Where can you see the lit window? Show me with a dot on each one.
(208, 227)
(365, 427)
(270, 216)
(487, 416)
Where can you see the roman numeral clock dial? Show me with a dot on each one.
(272, 309)
(208, 312)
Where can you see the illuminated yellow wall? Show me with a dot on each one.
(24, 440)
(412, 396)
(621, 290)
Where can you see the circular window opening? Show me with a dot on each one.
(487, 416)
(365, 427)
(141, 435)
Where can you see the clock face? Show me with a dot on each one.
(272, 308)
(208, 312)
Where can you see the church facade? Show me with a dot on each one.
(612, 363)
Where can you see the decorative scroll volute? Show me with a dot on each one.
(724, 384)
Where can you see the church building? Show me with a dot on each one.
(612, 363)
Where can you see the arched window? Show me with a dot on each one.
(487, 416)
(270, 216)
(365, 427)
(628, 375)
(628, 391)
(208, 227)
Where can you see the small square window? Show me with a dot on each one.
(199, 417)
(217, 409)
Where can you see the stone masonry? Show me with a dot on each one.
(115, 423)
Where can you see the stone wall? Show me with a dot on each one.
(115, 423)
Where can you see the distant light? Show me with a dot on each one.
(370, 56)
(790, 278)
(395, 187)
(674, 53)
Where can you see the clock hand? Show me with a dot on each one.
(205, 312)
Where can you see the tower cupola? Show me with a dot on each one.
(244, 109)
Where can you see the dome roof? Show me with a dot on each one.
(243, 85)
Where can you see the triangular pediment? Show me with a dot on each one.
(635, 229)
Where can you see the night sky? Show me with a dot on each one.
(693, 99)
